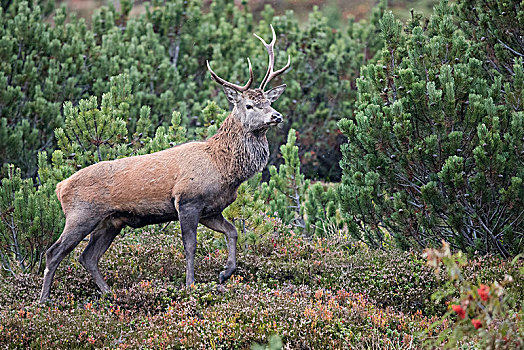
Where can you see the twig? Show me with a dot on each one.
(509, 48)
(5, 264)
(165, 226)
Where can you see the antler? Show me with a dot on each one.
(231, 85)
(270, 74)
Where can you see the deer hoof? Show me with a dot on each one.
(222, 277)
(46, 301)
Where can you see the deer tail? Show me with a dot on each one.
(58, 191)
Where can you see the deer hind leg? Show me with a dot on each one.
(76, 228)
(220, 224)
(101, 239)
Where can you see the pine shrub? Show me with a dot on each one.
(31, 217)
(499, 26)
(30, 220)
(435, 148)
(309, 208)
(163, 52)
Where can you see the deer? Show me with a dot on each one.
(192, 182)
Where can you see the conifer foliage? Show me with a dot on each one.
(499, 26)
(31, 221)
(47, 61)
(435, 149)
(435, 145)
(311, 209)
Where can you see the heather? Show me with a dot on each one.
(311, 293)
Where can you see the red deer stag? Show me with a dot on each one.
(192, 182)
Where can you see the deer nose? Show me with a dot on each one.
(277, 117)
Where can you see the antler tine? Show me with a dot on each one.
(270, 74)
(269, 48)
(231, 85)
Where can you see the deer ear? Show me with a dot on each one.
(273, 94)
(232, 95)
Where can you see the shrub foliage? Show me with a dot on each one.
(312, 294)
(435, 149)
(163, 52)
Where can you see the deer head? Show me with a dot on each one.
(252, 107)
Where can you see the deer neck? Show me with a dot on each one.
(238, 153)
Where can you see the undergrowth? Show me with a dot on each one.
(318, 293)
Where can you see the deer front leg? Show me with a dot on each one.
(189, 215)
(220, 224)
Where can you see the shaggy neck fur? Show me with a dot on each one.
(238, 153)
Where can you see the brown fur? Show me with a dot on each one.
(145, 185)
(193, 182)
(257, 96)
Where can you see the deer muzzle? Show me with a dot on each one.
(276, 118)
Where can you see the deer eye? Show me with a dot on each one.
(249, 106)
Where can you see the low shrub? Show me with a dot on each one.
(245, 313)
(435, 146)
(484, 314)
(311, 293)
